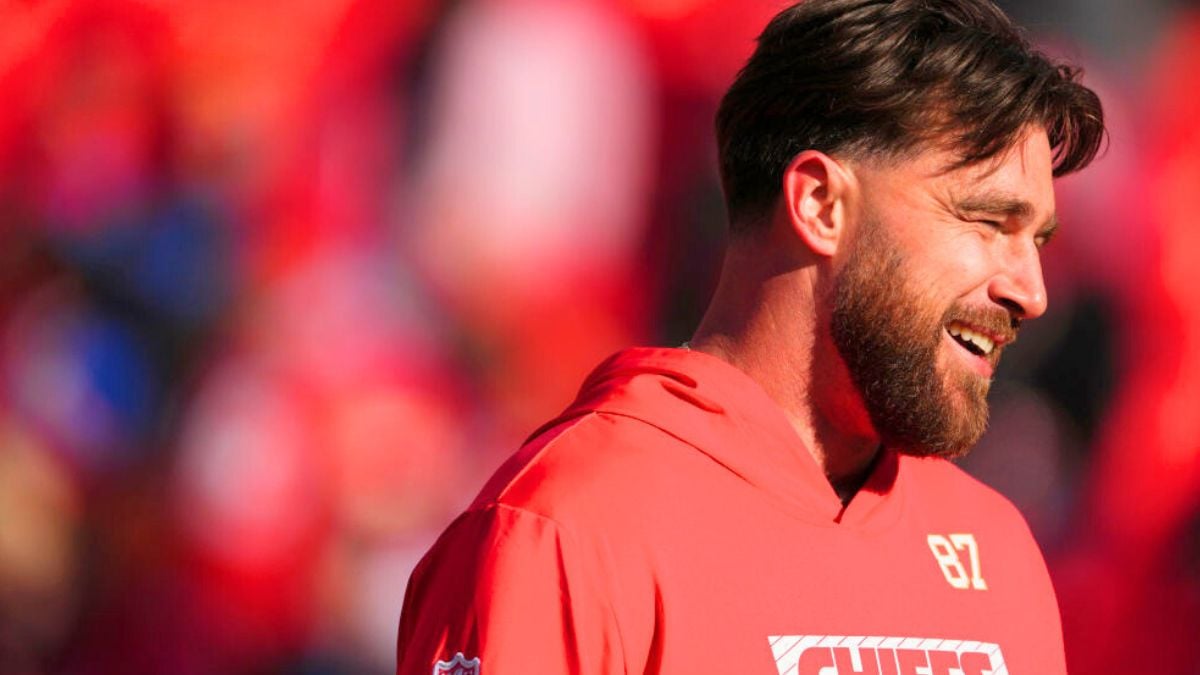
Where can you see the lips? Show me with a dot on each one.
(983, 337)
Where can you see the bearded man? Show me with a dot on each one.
(776, 498)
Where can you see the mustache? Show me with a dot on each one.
(991, 320)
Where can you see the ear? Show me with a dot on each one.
(817, 191)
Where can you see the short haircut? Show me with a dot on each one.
(887, 77)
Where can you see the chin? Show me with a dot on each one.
(941, 451)
(960, 421)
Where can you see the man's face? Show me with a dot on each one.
(943, 268)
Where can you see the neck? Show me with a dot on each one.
(763, 321)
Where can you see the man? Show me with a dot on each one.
(777, 497)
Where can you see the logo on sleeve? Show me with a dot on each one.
(459, 665)
(877, 655)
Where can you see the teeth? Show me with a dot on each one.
(984, 343)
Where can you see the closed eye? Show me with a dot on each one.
(1046, 234)
(990, 222)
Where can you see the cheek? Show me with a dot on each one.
(958, 269)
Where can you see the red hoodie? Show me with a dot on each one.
(671, 521)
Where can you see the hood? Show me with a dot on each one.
(723, 413)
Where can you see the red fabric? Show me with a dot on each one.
(671, 522)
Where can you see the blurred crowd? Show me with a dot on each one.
(282, 283)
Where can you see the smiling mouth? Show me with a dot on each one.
(973, 341)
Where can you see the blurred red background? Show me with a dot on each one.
(281, 283)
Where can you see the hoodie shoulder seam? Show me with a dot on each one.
(494, 508)
(560, 431)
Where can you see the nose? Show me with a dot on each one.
(1019, 285)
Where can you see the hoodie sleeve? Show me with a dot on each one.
(510, 588)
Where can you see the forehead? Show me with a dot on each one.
(1023, 172)
(1025, 168)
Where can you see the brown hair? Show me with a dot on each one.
(886, 77)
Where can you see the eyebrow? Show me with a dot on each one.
(1010, 207)
(1001, 204)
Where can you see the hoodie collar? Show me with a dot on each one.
(716, 408)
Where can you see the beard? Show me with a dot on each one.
(889, 335)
